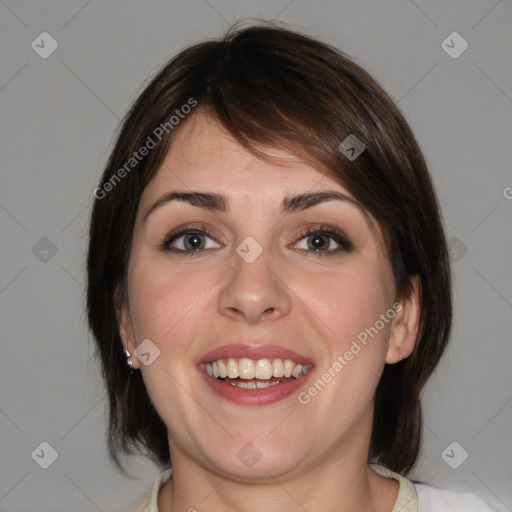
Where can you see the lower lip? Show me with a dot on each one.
(259, 396)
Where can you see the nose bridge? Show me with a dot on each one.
(252, 287)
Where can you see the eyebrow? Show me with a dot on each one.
(220, 203)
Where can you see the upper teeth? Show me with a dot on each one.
(245, 368)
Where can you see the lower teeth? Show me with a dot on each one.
(254, 384)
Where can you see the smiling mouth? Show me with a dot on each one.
(254, 374)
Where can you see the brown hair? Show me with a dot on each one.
(272, 87)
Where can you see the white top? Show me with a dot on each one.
(412, 497)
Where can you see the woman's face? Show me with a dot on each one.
(247, 281)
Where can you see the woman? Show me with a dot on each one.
(267, 251)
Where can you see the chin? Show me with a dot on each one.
(246, 459)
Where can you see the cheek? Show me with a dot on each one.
(166, 308)
(347, 302)
(163, 301)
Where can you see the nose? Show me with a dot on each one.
(254, 291)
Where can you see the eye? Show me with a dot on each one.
(193, 240)
(324, 241)
(188, 239)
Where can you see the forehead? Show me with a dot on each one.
(204, 155)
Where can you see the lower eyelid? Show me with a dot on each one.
(340, 238)
(173, 238)
(328, 252)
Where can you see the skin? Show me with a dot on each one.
(315, 455)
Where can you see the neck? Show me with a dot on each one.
(369, 492)
(341, 481)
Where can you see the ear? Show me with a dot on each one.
(404, 329)
(125, 326)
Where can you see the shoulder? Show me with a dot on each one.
(144, 504)
(432, 499)
(149, 503)
(418, 497)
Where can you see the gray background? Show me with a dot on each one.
(58, 117)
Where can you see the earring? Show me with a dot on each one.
(401, 357)
(128, 363)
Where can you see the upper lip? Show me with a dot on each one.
(254, 352)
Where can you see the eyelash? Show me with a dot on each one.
(338, 236)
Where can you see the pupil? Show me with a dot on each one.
(317, 242)
(194, 241)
